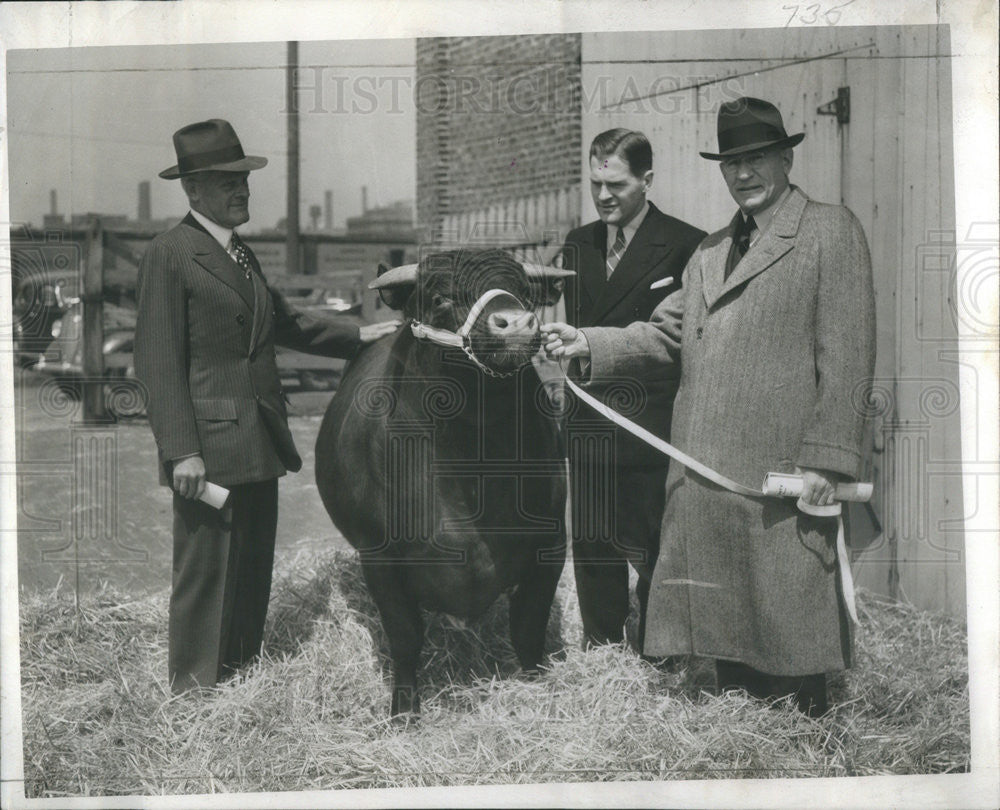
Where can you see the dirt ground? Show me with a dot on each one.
(90, 508)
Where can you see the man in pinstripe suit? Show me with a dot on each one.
(206, 330)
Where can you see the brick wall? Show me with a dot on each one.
(498, 132)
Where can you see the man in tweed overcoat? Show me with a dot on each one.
(206, 329)
(774, 331)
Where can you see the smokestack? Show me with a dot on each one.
(364, 199)
(52, 203)
(328, 210)
(145, 205)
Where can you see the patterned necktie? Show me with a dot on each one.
(615, 254)
(242, 255)
(743, 241)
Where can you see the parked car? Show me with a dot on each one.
(64, 355)
(39, 300)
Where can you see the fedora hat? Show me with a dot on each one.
(748, 124)
(210, 146)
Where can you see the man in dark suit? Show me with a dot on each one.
(626, 263)
(204, 348)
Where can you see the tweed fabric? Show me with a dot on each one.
(774, 360)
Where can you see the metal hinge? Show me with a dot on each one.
(840, 106)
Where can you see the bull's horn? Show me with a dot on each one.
(396, 277)
(540, 271)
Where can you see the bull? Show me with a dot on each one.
(438, 457)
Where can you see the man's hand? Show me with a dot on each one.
(373, 331)
(189, 477)
(562, 340)
(818, 486)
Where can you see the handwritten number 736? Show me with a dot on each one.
(810, 15)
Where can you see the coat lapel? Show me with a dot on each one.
(643, 254)
(210, 255)
(778, 240)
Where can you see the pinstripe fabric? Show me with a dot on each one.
(204, 348)
(773, 361)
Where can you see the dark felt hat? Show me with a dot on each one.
(748, 124)
(210, 146)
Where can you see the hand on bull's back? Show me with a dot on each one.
(562, 340)
(371, 332)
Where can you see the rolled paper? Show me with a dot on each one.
(790, 486)
(663, 282)
(214, 495)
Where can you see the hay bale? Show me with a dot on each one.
(312, 713)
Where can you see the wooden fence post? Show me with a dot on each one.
(92, 391)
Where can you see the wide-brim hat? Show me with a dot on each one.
(210, 146)
(749, 124)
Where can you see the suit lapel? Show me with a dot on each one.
(261, 302)
(778, 240)
(592, 274)
(643, 254)
(210, 255)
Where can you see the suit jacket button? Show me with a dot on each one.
(240, 319)
(698, 332)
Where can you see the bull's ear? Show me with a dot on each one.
(547, 283)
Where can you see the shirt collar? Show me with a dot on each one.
(763, 218)
(221, 235)
(633, 224)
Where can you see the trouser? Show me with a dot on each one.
(221, 583)
(809, 690)
(616, 516)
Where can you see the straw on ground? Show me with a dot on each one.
(313, 713)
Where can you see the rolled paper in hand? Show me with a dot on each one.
(214, 495)
(663, 282)
(790, 486)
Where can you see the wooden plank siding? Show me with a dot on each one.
(893, 166)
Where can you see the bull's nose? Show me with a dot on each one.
(512, 322)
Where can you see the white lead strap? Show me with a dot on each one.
(843, 560)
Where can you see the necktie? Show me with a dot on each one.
(242, 255)
(615, 254)
(743, 241)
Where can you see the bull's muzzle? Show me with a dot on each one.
(508, 323)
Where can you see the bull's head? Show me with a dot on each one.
(483, 299)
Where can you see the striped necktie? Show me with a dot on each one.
(242, 255)
(615, 254)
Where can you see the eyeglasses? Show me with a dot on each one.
(754, 160)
